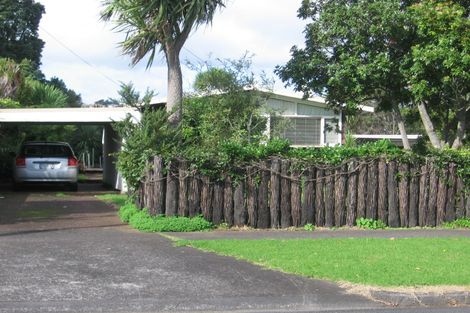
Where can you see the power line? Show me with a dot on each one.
(79, 57)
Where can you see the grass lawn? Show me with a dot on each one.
(37, 213)
(117, 199)
(368, 261)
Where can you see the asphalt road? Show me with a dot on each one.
(83, 260)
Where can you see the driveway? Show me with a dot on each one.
(79, 258)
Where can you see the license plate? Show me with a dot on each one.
(46, 166)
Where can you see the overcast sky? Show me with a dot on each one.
(266, 28)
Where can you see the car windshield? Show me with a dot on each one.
(46, 151)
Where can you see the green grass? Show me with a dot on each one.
(368, 261)
(118, 199)
(60, 195)
(82, 178)
(36, 213)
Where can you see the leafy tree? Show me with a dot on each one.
(19, 22)
(353, 55)
(395, 54)
(143, 139)
(226, 106)
(74, 100)
(160, 25)
(439, 68)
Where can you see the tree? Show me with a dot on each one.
(439, 69)
(398, 54)
(226, 106)
(352, 55)
(19, 22)
(162, 25)
(74, 100)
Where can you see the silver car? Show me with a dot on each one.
(46, 162)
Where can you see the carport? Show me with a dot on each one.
(81, 116)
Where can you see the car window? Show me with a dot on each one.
(46, 151)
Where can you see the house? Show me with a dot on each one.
(309, 122)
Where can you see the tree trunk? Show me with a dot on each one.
(175, 86)
(461, 118)
(428, 126)
(401, 127)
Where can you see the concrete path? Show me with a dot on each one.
(324, 233)
(83, 260)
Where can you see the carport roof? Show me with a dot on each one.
(67, 115)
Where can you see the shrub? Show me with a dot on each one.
(127, 211)
(141, 220)
(309, 227)
(463, 222)
(368, 223)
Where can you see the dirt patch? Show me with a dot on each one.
(412, 296)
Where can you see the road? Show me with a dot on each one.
(82, 259)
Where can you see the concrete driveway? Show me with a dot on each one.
(69, 252)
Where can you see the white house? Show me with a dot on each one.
(310, 122)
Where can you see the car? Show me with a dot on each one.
(46, 162)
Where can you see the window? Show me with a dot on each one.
(302, 131)
(331, 134)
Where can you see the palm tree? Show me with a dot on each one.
(160, 25)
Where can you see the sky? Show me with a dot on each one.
(85, 53)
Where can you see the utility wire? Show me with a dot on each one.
(79, 57)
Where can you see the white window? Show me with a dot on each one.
(331, 132)
(302, 131)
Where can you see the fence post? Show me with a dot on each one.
(329, 197)
(351, 204)
(340, 195)
(308, 203)
(372, 190)
(183, 209)
(228, 201)
(423, 195)
(403, 194)
(296, 203)
(382, 209)
(206, 198)
(441, 197)
(460, 194)
(432, 203)
(286, 216)
(414, 196)
(171, 203)
(319, 203)
(362, 191)
(239, 207)
(159, 186)
(393, 213)
(252, 197)
(275, 206)
(263, 208)
(218, 203)
(450, 205)
(194, 199)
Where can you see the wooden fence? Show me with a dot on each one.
(275, 193)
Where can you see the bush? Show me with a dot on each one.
(368, 223)
(463, 222)
(141, 220)
(127, 211)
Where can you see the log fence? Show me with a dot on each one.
(276, 194)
